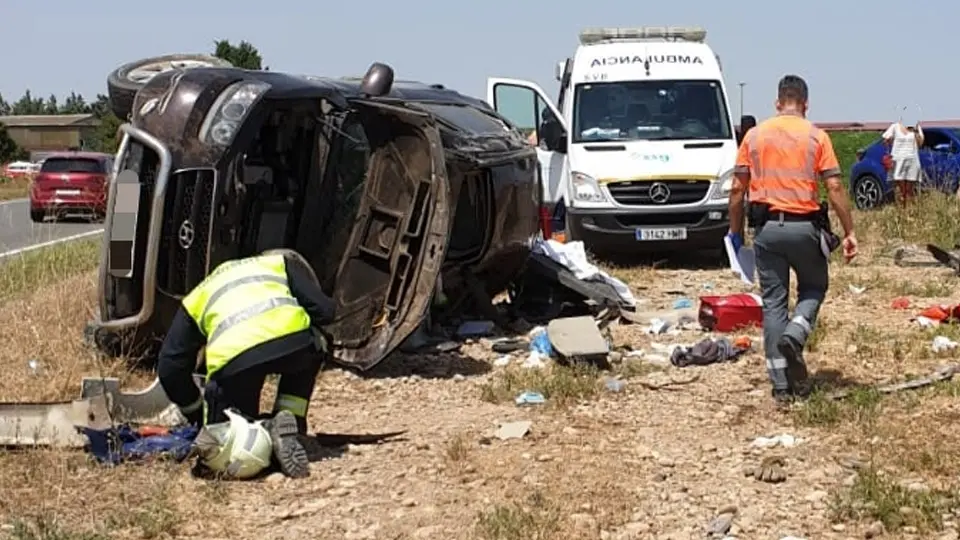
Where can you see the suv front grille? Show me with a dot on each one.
(644, 192)
(186, 227)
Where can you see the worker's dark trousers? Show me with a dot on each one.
(782, 246)
(241, 390)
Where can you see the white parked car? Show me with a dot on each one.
(18, 169)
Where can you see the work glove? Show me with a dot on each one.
(737, 240)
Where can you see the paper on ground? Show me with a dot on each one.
(743, 263)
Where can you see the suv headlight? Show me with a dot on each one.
(724, 185)
(586, 188)
(229, 111)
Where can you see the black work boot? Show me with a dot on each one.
(783, 397)
(290, 453)
(797, 374)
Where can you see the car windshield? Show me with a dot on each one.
(650, 110)
(72, 165)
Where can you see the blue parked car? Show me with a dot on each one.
(939, 163)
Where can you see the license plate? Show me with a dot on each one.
(644, 235)
(68, 192)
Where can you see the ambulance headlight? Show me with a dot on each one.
(229, 111)
(724, 185)
(586, 188)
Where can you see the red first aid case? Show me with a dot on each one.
(730, 312)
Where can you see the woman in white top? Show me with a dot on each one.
(905, 143)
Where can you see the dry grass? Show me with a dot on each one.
(859, 340)
(14, 188)
(535, 518)
(560, 385)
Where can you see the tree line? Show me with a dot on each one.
(243, 55)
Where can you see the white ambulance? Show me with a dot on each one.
(640, 147)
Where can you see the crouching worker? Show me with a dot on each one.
(253, 317)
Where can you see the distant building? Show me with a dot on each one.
(51, 133)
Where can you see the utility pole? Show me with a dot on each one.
(741, 84)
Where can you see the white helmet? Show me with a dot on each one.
(238, 448)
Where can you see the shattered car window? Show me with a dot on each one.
(466, 118)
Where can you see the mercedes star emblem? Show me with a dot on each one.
(659, 193)
(186, 234)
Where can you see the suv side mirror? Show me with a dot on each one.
(378, 80)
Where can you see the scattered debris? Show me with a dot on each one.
(148, 406)
(530, 398)
(614, 385)
(573, 256)
(900, 302)
(784, 439)
(513, 430)
(855, 289)
(683, 303)
(509, 345)
(540, 342)
(533, 361)
(577, 337)
(721, 524)
(943, 343)
(770, 470)
(708, 351)
(503, 361)
(473, 329)
(52, 424)
(731, 312)
(943, 373)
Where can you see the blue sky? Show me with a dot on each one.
(856, 67)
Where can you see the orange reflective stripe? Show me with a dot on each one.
(783, 156)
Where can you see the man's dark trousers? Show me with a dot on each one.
(241, 389)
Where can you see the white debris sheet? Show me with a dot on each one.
(573, 256)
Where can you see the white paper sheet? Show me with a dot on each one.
(743, 263)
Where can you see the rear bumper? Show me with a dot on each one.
(85, 202)
(615, 230)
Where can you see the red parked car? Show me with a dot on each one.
(71, 183)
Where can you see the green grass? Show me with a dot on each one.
(560, 385)
(27, 272)
(846, 144)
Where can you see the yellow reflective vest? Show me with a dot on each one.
(242, 304)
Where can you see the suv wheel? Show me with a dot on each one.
(124, 82)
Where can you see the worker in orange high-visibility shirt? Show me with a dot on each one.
(780, 165)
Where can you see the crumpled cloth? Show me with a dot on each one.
(708, 351)
(124, 443)
(573, 255)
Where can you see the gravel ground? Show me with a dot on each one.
(671, 455)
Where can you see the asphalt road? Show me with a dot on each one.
(19, 234)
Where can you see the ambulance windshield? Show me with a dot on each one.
(650, 110)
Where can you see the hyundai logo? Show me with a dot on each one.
(186, 234)
(659, 193)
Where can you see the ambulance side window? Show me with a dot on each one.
(524, 108)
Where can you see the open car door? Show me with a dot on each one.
(526, 105)
(388, 274)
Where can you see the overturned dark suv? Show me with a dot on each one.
(388, 189)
